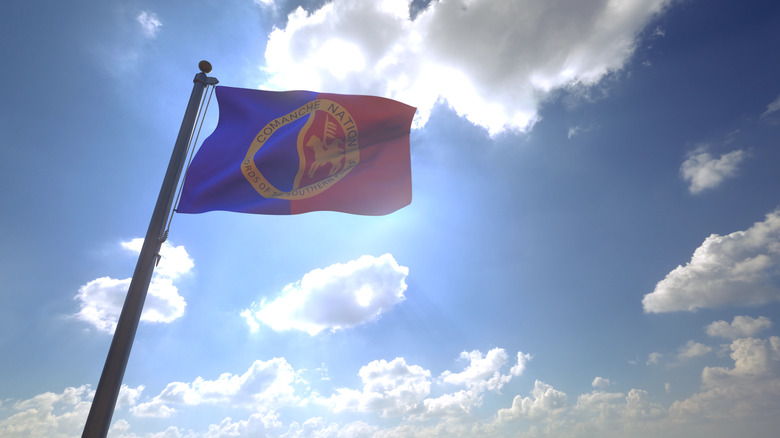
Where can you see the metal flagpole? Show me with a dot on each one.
(103, 404)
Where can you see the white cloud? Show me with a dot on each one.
(493, 61)
(129, 396)
(742, 268)
(749, 390)
(49, 415)
(598, 406)
(600, 382)
(101, 299)
(692, 349)
(731, 399)
(609, 414)
(265, 386)
(545, 402)
(653, 358)
(451, 404)
(658, 32)
(101, 302)
(174, 261)
(638, 405)
(149, 23)
(153, 409)
(482, 371)
(257, 425)
(396, 388)
(317, 427)
(773, 107)
(704, 171)
(740, 327)
(122, 54)
(752, 357)
(392, 388)
(340, 296)
(522, 362)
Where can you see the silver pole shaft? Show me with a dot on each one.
(103, 404)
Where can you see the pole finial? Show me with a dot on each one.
(204, 66)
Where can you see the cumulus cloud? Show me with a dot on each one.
(600, 382)
(545, 401)
(391, 388)
(599, 402)
(638, 405)
(752, 357)
(101, 299)
(340, 296)
(149, 23)
(751, 389)
(257, 425)
(598, 407)
(493, 61)
(265, 386)
(482, 371)
(129, 396)
(522, 362)
(704, 171)
(174, 260)
(734, 396)
(319, 427)
(740, 327)
(451, 404)
(396, 388)
(49, 415)
(741, 268)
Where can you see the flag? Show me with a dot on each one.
(299, 151)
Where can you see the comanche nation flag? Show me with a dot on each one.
(299, 151)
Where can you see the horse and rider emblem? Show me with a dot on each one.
(327, 146)
(322, 149)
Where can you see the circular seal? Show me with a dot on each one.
(327, 149)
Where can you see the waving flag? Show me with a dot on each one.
(299, 151)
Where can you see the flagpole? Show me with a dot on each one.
(103, 404)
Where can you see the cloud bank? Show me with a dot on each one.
(493, 61)
(265, 386)
(730, 398)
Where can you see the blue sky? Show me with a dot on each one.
(592, 249)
